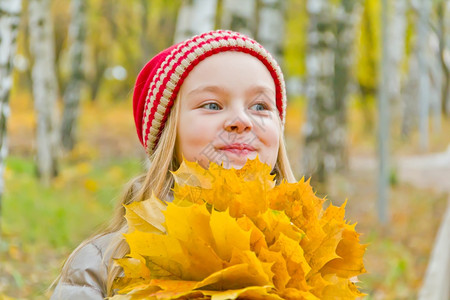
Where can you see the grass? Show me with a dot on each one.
(52, 214)
(41, 225)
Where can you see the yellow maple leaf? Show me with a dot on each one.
(233, 234)
(223, 188)
(228, 235)
(146, 216)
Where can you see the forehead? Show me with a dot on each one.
(230, 57)
(229, 68)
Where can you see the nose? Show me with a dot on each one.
(238, 122)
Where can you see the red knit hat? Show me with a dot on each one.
(158, 83)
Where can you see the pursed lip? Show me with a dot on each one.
(241, 150)
(238, 147)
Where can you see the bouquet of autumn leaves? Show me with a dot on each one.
(233, 234)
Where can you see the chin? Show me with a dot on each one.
(236, 166)
(236, 163)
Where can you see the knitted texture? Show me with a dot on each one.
(158, 83)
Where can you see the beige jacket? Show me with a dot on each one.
(87, 273)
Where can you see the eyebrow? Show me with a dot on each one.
(219, 89)
(208, 88)
(262, 88)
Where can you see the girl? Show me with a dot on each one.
(217, 97)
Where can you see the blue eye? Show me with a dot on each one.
(212, 106)
(259, 107)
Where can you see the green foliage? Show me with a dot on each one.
(81, 199)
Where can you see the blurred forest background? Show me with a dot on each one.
(368, 118)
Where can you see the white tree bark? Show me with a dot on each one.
(9, 27)
(446, 57)
(383, 120)
(240, 16)
(328, 62)
(424, 84)
(435, 76)
(320, 69)
(410, 96)
(418, 92)
(45, 91)
(77, 35)
(443, 27)
(195, 17)
(271, 27)
(396, 50)
(346, 17)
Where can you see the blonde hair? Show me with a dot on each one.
(158, 180)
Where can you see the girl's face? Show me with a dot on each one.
(228, 112)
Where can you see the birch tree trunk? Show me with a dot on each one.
(424, 86)
(435, 76)
(383, 120)
(446, 58)
(330, 40)
(346, 19)
(240, 16)
(444, 53)
(77, 34)
(271, 27)
(417, 90)
(44, 89)
(396, 49)
(320, 68)
(9, 27)
(195, 17)
(410, 98)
